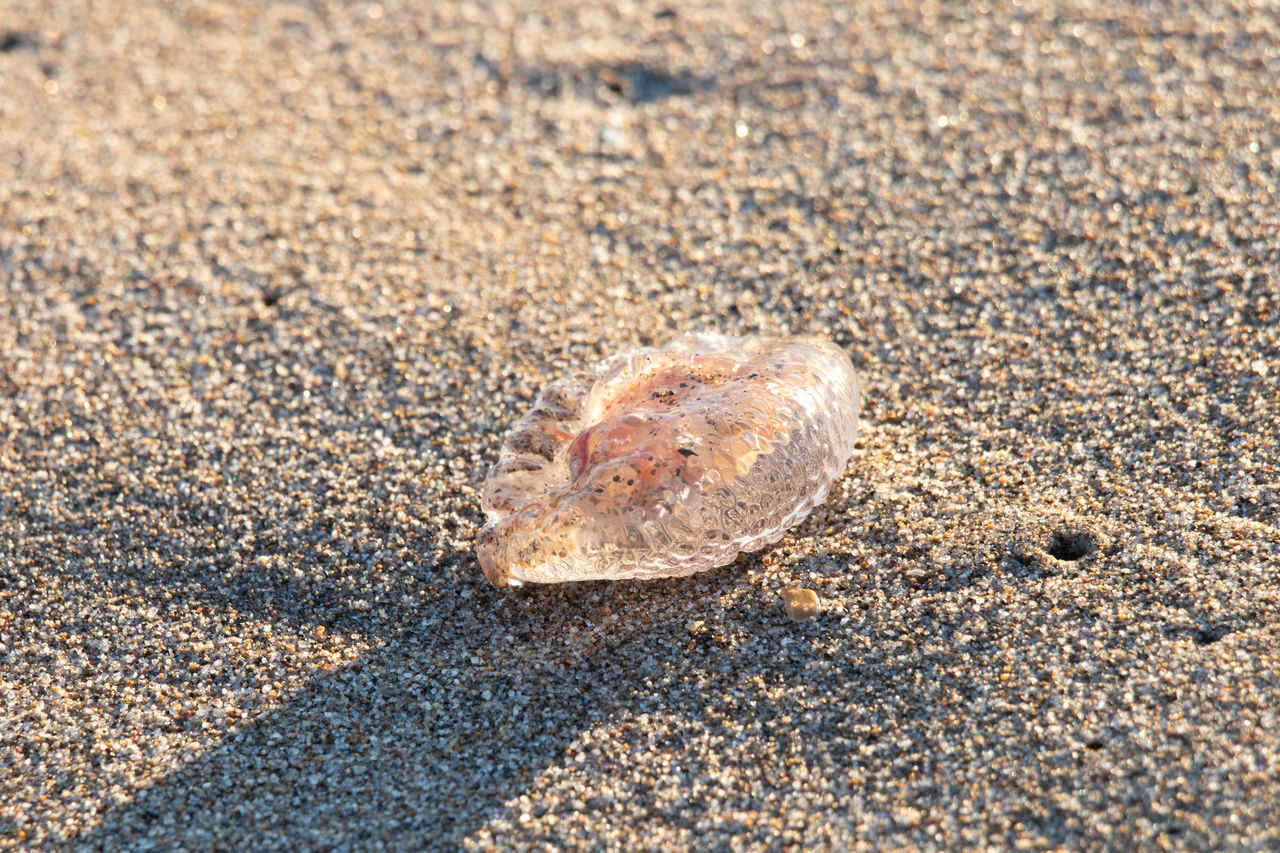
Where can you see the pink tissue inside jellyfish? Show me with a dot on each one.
(667, 462)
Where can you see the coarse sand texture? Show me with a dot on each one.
(277, 280)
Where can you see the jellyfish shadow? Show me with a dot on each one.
(404, 742)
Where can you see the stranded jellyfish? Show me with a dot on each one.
(667, 462)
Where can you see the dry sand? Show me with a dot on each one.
(275, 278)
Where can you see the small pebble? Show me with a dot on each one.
(801, 603)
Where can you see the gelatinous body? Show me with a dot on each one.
(669, 462)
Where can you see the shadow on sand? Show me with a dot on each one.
(453, 714)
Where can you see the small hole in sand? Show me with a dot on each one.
(1208, 634)
(1071, 545)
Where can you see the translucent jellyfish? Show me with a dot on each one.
(661, 463)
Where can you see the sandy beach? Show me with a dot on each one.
(276, 278)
